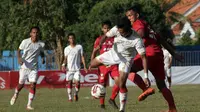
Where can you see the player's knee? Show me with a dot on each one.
(116, 79)
(160, 84)
(33, 85)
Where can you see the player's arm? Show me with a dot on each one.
(21, 47)
(170, 49)
(42, 56)
(170, 61)
(64, 63)
(42, 52)
(66, 51)
(95, 50)
(141, 51)
(83, 59)
(111, 33)
(19, 57)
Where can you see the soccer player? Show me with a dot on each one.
(168, 64)
(126, 43)
(104, 71)
(73, 57)
(154, 55)
(32, 48)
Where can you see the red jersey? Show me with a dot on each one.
(106, 46)
(150, 43)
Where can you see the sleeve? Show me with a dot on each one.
(81, 48)
(138, 25)
(139, 46)
(42, 46)
(169, 54)
(66, 51)
(96, 43)
(22, 45)
(112, 32)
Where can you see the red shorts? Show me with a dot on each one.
(155, 65)
(104, 72)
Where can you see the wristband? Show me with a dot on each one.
(63, 64)
(145, 75)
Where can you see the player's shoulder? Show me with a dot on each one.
(27, 40)
(67, 47)
(41, 43)
(79, 46)
(140, 23)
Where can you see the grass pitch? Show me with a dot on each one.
(187, 98)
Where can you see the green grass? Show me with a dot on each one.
(55, 100)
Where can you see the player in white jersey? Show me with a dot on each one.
(168, 64)
(73, 58)
(32, 48)
(126, 43)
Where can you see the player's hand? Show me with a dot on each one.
(63, 68)
(147, 82)
(178, 57)
(89, 68)
(85, 69)
(20, 61)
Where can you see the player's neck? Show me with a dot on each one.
(34, 41)
(73, 45)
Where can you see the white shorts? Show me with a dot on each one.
(29, 74)
(111, 58)
(73, 75)
(168, 72)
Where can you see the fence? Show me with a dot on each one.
(8, 61)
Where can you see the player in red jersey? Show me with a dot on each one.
(155, 58)
(104, 71)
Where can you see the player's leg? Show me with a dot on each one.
(22, 78)
(69, 78)
(134, 77)
(158, 72)
(168, 70)
(115, 89)
(103, 72)
(124, 69)
(32, 79)
(77, 76)
(137, 79)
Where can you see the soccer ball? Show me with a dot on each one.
(98, 91)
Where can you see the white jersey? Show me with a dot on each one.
(74, 57)
(31, 52)
(126, 47)
(167, 57)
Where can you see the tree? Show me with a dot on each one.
(90, 22)
(52, 16)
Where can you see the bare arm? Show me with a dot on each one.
(103, 39)
(144, 63)
(42, 55)
(83, 61)
(94, 53)
(19, 57)
(64, 63)
(170, 62)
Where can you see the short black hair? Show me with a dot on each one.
(135, 8)
(71, 34)
(124, 23)
(35, 27)
(107, 22)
